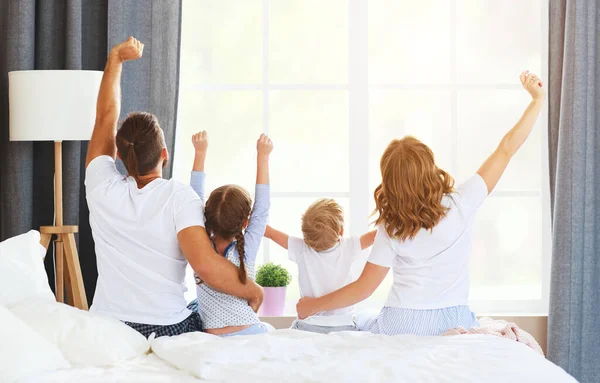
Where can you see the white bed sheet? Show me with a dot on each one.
(146, 369)
(295, 356)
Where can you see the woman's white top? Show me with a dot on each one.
(141, 269)
(431, 271)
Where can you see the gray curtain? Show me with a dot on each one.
(574, 139)
(77, 34)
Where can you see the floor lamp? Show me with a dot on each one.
(56, 105)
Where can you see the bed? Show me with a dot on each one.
(293, 356)
(44, 341)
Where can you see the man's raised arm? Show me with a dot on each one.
(108, 106)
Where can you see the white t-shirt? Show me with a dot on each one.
(431, 271)
(320, 273)
(141, 269)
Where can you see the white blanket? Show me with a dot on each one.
(144, 369)
(282, 356)
(294, 356)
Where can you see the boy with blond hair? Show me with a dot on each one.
(324, 258)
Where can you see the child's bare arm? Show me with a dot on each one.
(277, 236)
(367, 239)
(200, 141)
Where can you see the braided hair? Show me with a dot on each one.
(226, 213)
(239, 237)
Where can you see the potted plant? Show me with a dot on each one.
(274, 280)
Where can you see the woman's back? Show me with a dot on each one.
(431, 270)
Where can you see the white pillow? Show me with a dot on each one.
(85, 338)
(22, 273)
(23, 352)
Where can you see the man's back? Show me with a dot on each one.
(141, 269)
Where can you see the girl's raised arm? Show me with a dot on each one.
(494, 166)
(262, 199)
(264, 146)
(197, 179)
(200, 142)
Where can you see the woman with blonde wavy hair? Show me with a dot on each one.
(424, 234)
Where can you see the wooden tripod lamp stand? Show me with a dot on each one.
(56, 105)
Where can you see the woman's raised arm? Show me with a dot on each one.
(493, 168)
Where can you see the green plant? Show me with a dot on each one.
(272, 275)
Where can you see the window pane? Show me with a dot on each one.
(233, 120)
(507, 250)
(409, 42)
(497, 40)
(396, 113)
(308, 42)
(310, 132)
(484, 117)
(216, 37)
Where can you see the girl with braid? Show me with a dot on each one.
(236, 229)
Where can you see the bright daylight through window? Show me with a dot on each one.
(332, 82)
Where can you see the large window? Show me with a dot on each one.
(334, 81)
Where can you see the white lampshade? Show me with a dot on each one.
(52, 105)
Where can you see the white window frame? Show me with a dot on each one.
(358, 88)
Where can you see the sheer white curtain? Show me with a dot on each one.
(334, 81)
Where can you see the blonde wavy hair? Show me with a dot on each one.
(322, 224)
(409, 197)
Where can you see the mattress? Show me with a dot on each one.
(295, 356)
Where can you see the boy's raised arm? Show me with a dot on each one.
(367, 239)
(277, 236)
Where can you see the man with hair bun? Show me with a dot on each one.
(146, 229)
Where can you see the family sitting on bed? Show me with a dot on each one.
(148, 229)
